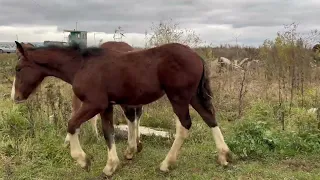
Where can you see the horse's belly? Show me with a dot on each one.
(137, 98)
(146, 98)
(136, 89)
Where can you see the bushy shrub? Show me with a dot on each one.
(256, 135)
(252, 139)
(301, 121)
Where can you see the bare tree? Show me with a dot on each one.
(118, 34)
(169, 32)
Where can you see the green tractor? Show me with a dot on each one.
(79, 37)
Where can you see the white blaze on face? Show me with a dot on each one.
(13, 89)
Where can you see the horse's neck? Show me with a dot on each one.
(64, 68)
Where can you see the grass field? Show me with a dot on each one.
(31, 145)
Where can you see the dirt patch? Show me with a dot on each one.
(300, 165)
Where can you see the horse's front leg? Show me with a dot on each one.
(85, 112)
(76, 104)
(108, 132)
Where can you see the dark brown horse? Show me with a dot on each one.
(101, 78)
(132, 114)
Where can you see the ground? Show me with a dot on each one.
(196, 161)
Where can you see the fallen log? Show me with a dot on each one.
(122, 131)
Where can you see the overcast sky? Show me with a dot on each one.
(216, 21)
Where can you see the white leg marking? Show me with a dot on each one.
(132, 139)
(93, 122)
(137, 130)
(13, 89)
(221, 145)
(137, 127)
(113, 160)
(75, 149)
(181, 135)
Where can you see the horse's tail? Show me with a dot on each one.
(204, 92)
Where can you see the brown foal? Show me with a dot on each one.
(101, 78)
(132, 114)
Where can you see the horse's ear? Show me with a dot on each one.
(20, 49)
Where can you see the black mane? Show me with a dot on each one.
(91, 51)
(85, 52)
(73, 46)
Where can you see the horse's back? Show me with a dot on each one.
(180, 66)
(117, 46)
(171, 63)
(135, 75)
(171, 66)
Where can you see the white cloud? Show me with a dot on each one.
(214, 34)
(43, 33)
(29, 33)
(216, 21)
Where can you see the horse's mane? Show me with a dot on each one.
(73, 46)
(91, 51)
(84, 51)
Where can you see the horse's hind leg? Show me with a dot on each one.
(108, 132)
(208, 115)
(183, 125)
(133, 118)
(93, 122)
(138, 139)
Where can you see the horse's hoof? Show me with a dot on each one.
(164, 167)
(222, 162)
(104, 177)
(128, 155)
(224, 158)
(139, 147)
(111, 167)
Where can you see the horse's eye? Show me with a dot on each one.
(18, 69)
